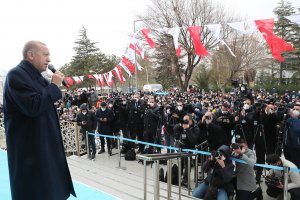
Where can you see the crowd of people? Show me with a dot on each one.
(255, 126)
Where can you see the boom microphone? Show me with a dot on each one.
(52, 69)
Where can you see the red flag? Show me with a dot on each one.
(90, 76)
(195, 34)
(77, 79)
(138, 49)
(276, 44)
(146, 32)
(118, 72)
(69, 80)
(128, 64)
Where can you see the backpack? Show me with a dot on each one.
(130, 155)
(174, 178)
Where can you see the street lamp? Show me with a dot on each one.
(135, 64)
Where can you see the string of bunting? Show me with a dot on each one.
(129, 63)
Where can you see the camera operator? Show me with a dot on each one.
(246, 184)
(218, 183)
(275, 180)
(245, 123)
(226, 121)
(170, 120)
(214, 133)
(292, 136)
(187, 135)
(265, 134)
(88, 122)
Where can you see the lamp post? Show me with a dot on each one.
(135, 64)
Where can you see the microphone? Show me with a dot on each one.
(53, 70)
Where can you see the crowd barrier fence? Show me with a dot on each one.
(119, 138)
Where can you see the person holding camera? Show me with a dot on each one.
(245, 127)
(218, 183)
(246, 183)
(170, 120)
(275, 180)
(187, 135)
(215, 134)
(87, 121)
(226, 120)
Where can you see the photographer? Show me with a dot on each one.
(275, 180)
(246, 186)
(226, 121)
(292, 136)
(245, 123)
(170, 120)
(217, 184)
(88, 122)
(187, 135)
(214, 133)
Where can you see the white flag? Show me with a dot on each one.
(243, 27)
(294, 18)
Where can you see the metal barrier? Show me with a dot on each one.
(168, 156)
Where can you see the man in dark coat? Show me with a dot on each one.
(37, 164)
(104, 117)
(88, 122)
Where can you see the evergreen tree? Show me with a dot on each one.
(289, 32)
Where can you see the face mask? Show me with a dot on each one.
(110, 105)
(168, 111)
(224, 112)
(223, 157)
(84, 112)
(103, 109)
(179, 108)
(124, 102)
(246, 107)
(208, 121)
(296, 113)
(197, 110)
(242, 88)
(243, 150)
(151, 104)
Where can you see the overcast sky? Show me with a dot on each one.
(109, 22)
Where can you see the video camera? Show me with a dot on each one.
(272, 180)
(216, 154)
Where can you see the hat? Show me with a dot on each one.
(103, 104)
(83, 106)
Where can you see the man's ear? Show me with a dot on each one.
(30, 55)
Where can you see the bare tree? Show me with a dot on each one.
(249, 52)
(184, 13)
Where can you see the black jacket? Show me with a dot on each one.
(104, 127)
(91, 120)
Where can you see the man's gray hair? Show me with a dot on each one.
(32, 45)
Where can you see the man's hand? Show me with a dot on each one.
(57, 78)
(280, 186)
(221, 162)
(237, 151)
(185, 126)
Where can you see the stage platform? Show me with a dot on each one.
(103, 179)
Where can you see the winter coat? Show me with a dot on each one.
(104, 127)
(37, 163)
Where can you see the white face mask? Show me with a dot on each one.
(224, 112)
(84, 112)
(246, 107)
(223, 157)
(296, 113)
(179, 108)
(151, 104)
(168, 111)
(103, 109)
(124, 102)
(110, 105)
(243, 150)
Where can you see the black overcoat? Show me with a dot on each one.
(37, 163)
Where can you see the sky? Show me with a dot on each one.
(109, 23)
